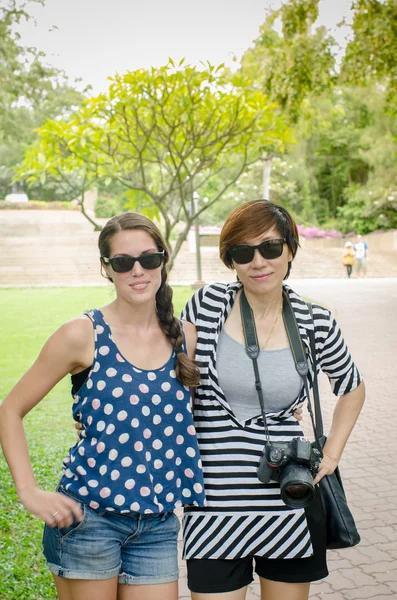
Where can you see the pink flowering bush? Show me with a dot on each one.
(316, 232)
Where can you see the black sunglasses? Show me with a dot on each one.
(269, 249)
(123, 264)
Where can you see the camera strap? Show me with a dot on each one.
(252, 349)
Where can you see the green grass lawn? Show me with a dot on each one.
(29, 316)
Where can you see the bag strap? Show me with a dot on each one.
(299, 355)
(316, 392)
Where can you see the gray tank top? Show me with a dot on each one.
(281, 383)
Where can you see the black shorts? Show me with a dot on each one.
(208, 576)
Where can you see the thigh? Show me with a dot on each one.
(218, 578)
(275, 590)
(77, 589)
(151, 556)
(165, 591)
(236, 595)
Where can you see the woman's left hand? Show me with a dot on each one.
(79, 428)
(298, 414)
(327, 467)
(345, 415)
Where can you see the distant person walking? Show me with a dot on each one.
(348, 258)
(361, 250)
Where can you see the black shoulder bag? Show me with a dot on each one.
(341, 528)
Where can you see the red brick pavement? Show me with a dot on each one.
(366, 309)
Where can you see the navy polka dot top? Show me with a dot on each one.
(138, 451)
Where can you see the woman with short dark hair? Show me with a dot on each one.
(246, 521)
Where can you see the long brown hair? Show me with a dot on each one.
(186, 368)
(253, 219)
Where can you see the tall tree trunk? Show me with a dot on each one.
(181, 238)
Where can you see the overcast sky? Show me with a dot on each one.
(97, 38)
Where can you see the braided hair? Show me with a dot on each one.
(186, 369)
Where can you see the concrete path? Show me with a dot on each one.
(366, 310)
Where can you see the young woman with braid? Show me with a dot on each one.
(110, 527)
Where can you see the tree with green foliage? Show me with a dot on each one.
(31, 91)
(341, 171)
(371, 54)
(168, 134)
(333, 174)
(51, 161)
(293, 63)
(370, 202)
(280, 64)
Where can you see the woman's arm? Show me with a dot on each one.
(345, 415)
(69, 349)
(191, 341)
(346, 382)
(191, 338)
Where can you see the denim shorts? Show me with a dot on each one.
(139, 548)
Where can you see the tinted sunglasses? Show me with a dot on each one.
(123, 264)
(269, 249)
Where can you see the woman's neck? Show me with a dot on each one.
(265, 304)
(138, 316)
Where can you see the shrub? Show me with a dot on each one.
(107, 205)
(37, 205)
(316, 232)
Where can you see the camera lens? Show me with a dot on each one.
(296, 486)
(296, 491)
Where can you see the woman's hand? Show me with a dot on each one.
(327, 467)
(298, 414)
(79, 428)
(344, 418)
(55, 509)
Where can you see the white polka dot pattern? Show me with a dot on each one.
(138, 451)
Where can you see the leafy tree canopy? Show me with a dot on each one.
(165, 133)
(31, 91)
(371, 55)
(340, 116)
(290, 62)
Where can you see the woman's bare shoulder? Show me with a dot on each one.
(77, 331)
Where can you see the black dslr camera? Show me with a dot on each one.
(293, 464)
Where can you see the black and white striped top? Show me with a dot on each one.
(244, 516)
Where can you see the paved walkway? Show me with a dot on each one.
(366, 311)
